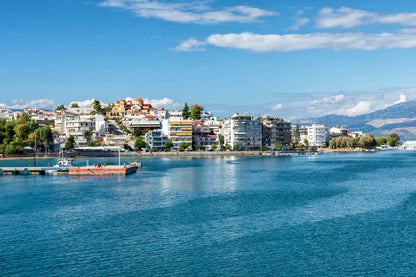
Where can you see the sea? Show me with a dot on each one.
(334, 214)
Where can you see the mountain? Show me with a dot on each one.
(399, 118)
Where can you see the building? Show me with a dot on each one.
(178, 130)
(317, 135)
(142, 122)
(203, 135)
(275, 132)
(122, 107)
(243, 132)
(156, 139)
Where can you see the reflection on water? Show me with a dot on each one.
(218, 216)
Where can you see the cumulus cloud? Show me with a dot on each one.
(361, 108)
(190, 45)
(401, 99)
(188, 11)
(345, 17)
(18, 104)
(166, 103)
(296, 42)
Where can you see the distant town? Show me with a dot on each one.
(138, 126)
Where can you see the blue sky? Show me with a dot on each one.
(295, 59)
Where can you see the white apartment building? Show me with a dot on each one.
(243, 132)
(178, 130)
(315, 134)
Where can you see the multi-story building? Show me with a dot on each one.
(156, 139)
(141, 122)
(317, 135)
(203, 135)
(276, 131)
(123, 107)
(178, 130)
(243, 132)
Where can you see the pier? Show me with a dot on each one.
(121, 170)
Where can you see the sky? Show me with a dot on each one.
(290, 58)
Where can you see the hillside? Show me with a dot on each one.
(399, 118)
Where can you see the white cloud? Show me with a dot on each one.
(296, 42)
(190, 45)
(166, 103)
(347, 18)
(188, 11)
(2, 72)
(86, 103)
(300, 21)
(401, 100)
(361, 108)
(38, 103)
(277, 107)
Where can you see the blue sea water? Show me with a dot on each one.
(345, 214)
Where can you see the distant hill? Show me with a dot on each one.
(399, 118)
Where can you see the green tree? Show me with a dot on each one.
(228, 147)
(381, 141)
(168, 145)
(22, 131)
(69, 145)
(96, 105)
(306, 142)
(9, 132)
(88, 134)
(185, 111)
(261, 148)
(139, 144)
(278, 146)
(213, 146)
(10, 149)
(74, 105)
(184, 145)
(46, 136)
(24, 118)
(196, 112)
(199, 147)
(367, 141)
(297, 133)
(60, 108)
(393, 140)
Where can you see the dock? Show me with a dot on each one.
(113, 170)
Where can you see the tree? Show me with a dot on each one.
(278, 146)
(381, 141)
(10, 149)
(213, 146)
(306, 142)
(96, 105)
(393, 140)
(196, 112)
(228, 147)
(69, 145)
(22, 131)
(261, 148)
(168, 145)
(199, 147)
(184, 145)
(46, 136)
(139, 144)
(88, 134)
(9, 132)
(24, 118)
(297, 133)
(185, 111)
(60, 108)
(74, 105)
(368, 141)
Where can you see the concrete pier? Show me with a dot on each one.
(116, 170)
(113, 170)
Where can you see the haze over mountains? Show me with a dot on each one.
(399, 118)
